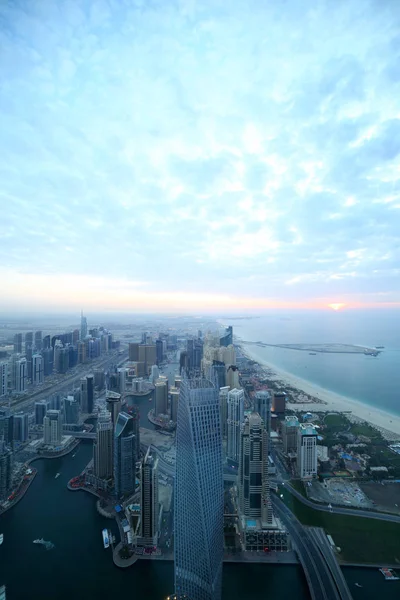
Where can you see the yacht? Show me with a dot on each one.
(1, 538)
(58, 475)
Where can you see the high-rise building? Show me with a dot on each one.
(103, 447)
(21, 427)
(37, 369)
(149, 501)
(28, 339)
(154, 374)
(3, 378)
(223, 407)
(52, 428)
(18, 343)
(133, 352)
(134, 412)
(41, 409)
(84, 327)
(6, 463)
(227, 338)
(199, 493)
(99, 379)
(113, 400)
(38, 341)
(71, 411)
(218, 370)
(82, 354)
(46, 342)
(124, 455)
(87, 394)
(290, 427)
(21, 375)
(28, 356)
(174, 394)
(279, 403)
(232, 377)
(234, 423)
(7, 426)
(48, 361)
(307, 451)
(161, 398)
(262, 405)
(159, 351)
(253, 481)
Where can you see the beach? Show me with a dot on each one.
(323, 400)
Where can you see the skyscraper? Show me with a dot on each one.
(21, 375)
(38, 341)
(174, 394)
(262, 405)
(199, 492)
(28, 339)
(6, 461)
(21, 427)
(307, 451)
(113, 400)
(159, 351)
(18, 343)
(134, 412)
(7, 426)
(41, 409)
(103, 446)
(37, 369)
(71, 410)
(52, 428)
(161, 398)
(149, 501)
(83, 327)
(124, 455)
(223, 406)
(234, 423)
(227, 338)
(87, 394)
(253, 482)
(3, 378)
(290, 428)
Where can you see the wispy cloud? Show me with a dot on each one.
(241, 150)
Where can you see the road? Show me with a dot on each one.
(321, 541)
(353, 512)
(319, 577)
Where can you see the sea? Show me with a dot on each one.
(375, 381)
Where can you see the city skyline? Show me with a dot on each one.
(236, 169)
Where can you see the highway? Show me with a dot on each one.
(320, 578)
(353, 512)
(321, 541)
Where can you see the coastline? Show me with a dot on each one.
(388, 423)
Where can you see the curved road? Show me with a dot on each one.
(353, 512)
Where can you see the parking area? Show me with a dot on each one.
(340, 492)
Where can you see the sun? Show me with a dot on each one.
(336, 306)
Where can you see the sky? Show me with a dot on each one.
(199, 154)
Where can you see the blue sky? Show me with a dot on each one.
(199, 154)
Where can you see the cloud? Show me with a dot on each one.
(248, 151)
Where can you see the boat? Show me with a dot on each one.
(312, 353)
(58, 475)
(379, 347)
(1, 538)
(42, 542)
(106, 539)
(2, 592)
(358, 584)
(389, 574)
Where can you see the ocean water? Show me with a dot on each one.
(373, 381)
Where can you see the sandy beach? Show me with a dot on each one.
(330, 401)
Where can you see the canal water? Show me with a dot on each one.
(80, 568)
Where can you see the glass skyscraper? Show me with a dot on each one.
(124, 455)
(199, 493)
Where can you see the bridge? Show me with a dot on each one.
(81, 435)
(324, 576)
